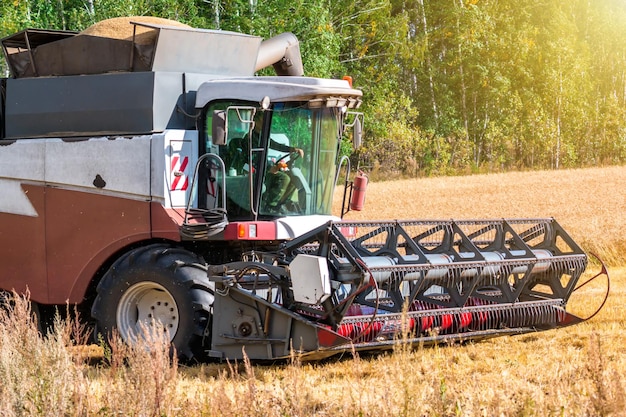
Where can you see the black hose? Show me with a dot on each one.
(603, 271)
(215, 222)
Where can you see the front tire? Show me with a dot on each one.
(157, 283)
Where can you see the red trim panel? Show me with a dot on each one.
(250, 231)
(56, 254)
(82, 231)
(22, 249)
(166, 222)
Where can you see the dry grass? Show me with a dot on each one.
(577, 371)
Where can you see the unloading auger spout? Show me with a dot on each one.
(362, 285)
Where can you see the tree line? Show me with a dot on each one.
(450, 86)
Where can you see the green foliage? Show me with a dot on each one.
(449, 86)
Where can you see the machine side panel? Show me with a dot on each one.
(70, 206)
(22, 220)
(101, 165)
(97, 202)
(22, 239)
(82, 231)
(209, 52)
(166, 222)
(20, 161)
(80, 105)
(168, 99)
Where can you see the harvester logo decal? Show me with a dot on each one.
(178, 167)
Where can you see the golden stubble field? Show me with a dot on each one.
(576, 371)
(589, 203)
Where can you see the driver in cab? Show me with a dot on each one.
(278, 181)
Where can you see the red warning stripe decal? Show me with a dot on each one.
(180, 181)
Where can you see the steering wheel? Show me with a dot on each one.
(293, 156)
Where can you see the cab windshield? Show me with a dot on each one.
(299, 167)
(281, 164)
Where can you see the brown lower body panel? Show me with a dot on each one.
(56, 254)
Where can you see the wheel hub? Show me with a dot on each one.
(146, 305)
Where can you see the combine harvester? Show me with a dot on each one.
(149, 177)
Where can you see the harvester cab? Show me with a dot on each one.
(284, 155)
(271, 152)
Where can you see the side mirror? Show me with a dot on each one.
(357, 128)
(357, 135)
(218, 128)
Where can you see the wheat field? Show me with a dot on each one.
(589, 203)
(575, 371)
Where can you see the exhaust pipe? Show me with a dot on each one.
(283, 52)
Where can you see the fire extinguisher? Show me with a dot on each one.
(359, 186)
